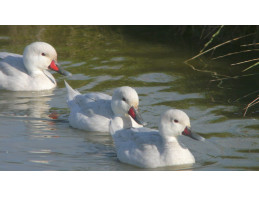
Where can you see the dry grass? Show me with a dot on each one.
(254, 102)
(230, 54)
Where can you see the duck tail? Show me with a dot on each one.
(71, 93)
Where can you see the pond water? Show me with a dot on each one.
(102, 59)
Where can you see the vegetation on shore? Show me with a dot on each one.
(228, 55)
(234, 46)
(247, 51)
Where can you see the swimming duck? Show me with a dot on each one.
(93, 111)
(28, 72)
(148, 148)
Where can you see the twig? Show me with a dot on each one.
(251, 66)
(246, 95)
(234, 77)
(207, 35)
(196, 69)
(200, 54)
(234, 53)
(244, 62)
(245, 45)
(212, 38)
(250, 105)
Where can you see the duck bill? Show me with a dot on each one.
(136, 116)
(55, 67)
(195, 136)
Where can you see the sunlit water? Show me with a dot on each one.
(34, 130)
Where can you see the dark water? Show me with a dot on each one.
(102, 59)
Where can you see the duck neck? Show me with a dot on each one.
(35, 73)
(170, 144)
(30, 71)
(118, 123)
(167, 139)
(127, 123)
(30, 65)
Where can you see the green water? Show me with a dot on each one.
(103, 58)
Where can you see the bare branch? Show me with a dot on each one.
(200, 54)
(244, 62)
(234, 53)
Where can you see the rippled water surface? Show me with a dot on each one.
(34, 130)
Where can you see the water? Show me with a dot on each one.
(31, 138)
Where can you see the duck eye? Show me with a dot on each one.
(176, 121)
(123, 99)
(43, 54)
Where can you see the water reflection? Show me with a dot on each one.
(25, 104)
(101, 59)
(32, 108)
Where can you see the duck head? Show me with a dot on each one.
(125, 102)
(175, 122)
(40, 56)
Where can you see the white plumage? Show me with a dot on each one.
(93, 111)
(28, 72)
(147, 148)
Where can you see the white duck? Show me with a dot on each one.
(28, 72)
(93, 111)
(147, 148)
